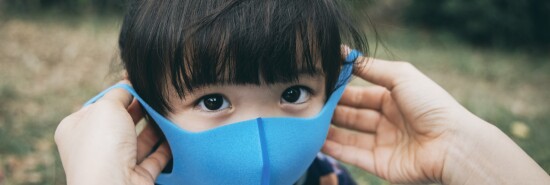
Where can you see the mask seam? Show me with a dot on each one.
(266, 171)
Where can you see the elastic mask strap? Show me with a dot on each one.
(154, 114)
(346, 72)
(352, 56)
(101, 94)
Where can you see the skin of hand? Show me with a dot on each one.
(407, 129)
(330, 179)
(98, 144)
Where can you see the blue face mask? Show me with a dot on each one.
(264, 151)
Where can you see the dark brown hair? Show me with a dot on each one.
(191, 43)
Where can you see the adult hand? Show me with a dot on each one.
(407, 129)
(98, 144)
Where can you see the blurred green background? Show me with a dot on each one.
(492, 55)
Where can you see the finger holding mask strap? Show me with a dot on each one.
(111, 114)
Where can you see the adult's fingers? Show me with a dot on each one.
(118, 96)
(362, 120)
(157, 160)
(351, 138)
(412, 92)
(146, 140)
(353, 155)
(385, 73)
(135, 111)
(370, 97)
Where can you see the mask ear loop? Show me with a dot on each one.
(352, 56)
(347, 68)
(102, 93)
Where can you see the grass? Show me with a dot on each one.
(49, 68)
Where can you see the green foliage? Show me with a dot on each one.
(74, 7)
(11, 142)
(508, 23)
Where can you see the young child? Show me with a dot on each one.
(204, 65)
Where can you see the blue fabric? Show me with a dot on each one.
(275, 150)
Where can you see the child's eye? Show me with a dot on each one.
(212, 102)
(296, 95)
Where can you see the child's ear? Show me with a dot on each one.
(125, 75)
(125, 78)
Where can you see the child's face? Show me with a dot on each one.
(216, 105)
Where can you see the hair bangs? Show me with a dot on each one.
(185, 45)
